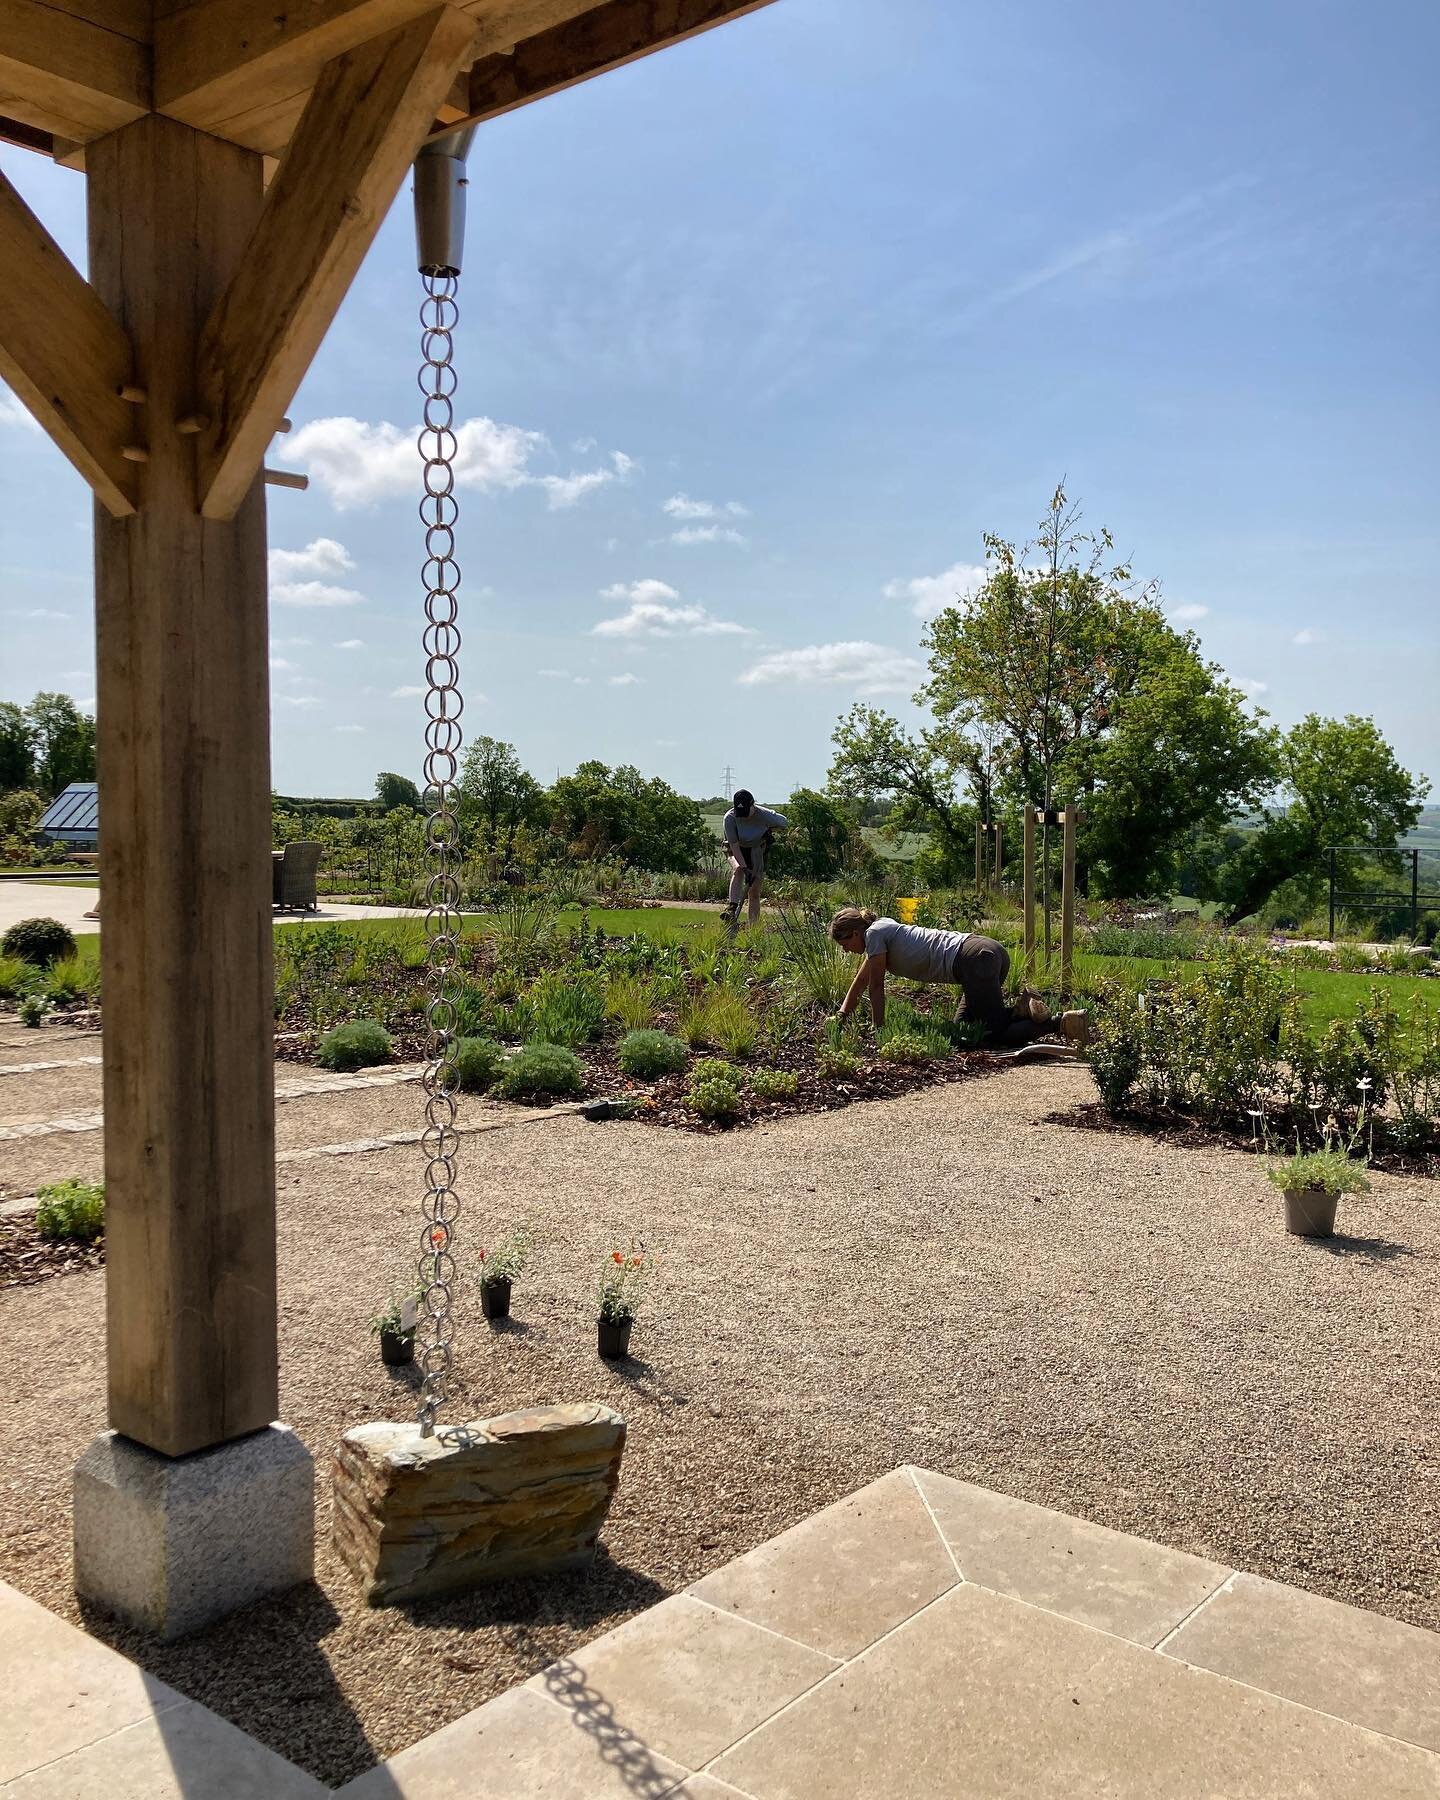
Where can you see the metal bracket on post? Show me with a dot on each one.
(440, 183)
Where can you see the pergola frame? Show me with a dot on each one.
(239, 158)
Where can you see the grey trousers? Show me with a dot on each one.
(981, 967)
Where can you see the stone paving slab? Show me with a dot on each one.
(1360, 1666)
(1125, 1585)
(963, 1663)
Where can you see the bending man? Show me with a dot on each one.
(748, 832)
(977, 965)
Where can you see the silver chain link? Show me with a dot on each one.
(440, 576)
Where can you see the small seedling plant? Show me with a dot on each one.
(506, 1260)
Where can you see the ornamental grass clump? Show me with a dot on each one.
(542, 1069)
(631, 1000)
(1328, 1171)
(567, 1007)
(648, 1054)
(359, 1044)
(71, 1212)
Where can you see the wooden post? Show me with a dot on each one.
(1069, 819)
(183, 713)
(1027, 884)
(979, 857)
(999, 851)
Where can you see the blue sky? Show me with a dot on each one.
(761, 333)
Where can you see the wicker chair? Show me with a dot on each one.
(295, 874)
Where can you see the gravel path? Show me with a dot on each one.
(1102, 1324)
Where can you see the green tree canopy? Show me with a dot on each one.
(17, 746)
(498, 794)
(823, 838)
(601, 812)
(1340, 784)
(393, 790)
(64, 743)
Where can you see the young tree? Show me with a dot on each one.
(821, 841)
(1340, 784)
(396, 790)
(918, 777)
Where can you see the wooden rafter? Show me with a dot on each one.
(68, 74)
(64, 355)
(602, 38)
(369, 113)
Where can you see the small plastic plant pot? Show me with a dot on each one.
(614, 1338)
(397, 1348)
(1310, 1212)
(495, 1299)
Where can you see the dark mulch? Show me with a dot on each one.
(1187, 1131)
(26, 1257)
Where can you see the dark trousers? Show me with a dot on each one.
(981, 967)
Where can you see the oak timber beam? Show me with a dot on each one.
(603, 38)
(220, 60)
(64, 355)
(68, 74)
(370, 112)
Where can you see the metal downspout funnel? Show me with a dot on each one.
(440, 184)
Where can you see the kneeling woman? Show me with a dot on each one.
(977, 965)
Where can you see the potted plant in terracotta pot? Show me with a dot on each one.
(1312, 1182)
(395, 1327)
(620, 1289)
(500, 1266)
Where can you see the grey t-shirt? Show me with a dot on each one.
(915, 951)
(751, 830)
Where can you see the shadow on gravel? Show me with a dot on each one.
(647, 1380)
(1365, 1249)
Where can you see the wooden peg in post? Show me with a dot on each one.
(286, 478)
(136, 396)
(135, 453)
(284, 425)
(192, 424)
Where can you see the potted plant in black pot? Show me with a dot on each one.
(620, 1288)
(395, 1327)
(1312, 1182)
(500, 1267)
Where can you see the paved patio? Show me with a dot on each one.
(69, 902)
(922, 1637)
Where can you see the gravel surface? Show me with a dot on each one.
(1116, 1327)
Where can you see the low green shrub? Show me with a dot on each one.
(1330, 1169)
(72, 979)
(355, 1045)
(71, 1211)
(567, 1007)
(837, 1062)
(1117, 1049)
(908, 1047)
(651, 1053)
(38, 941)
(774, 1084)
(716, 1090)
(479, 1062)
(542, 1068)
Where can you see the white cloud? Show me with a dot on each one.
(297, 699)
(314, 593)
(1306, 635)
(582, 681)
(554, 674)
(1253, 687)
(863, 667)
(625, 681)
(358, 463)
(351, 644)
(43, 612)
(279, 664)
(321, 556)
(289, 643)
(928, 595)
(406, 693)
(359, 728)
(681, 506)
(1189, 613)
(707, 534)
(12, 412)
(655, 610)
